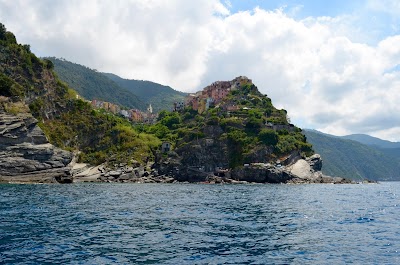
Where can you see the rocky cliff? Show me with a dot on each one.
(26, 155)
(230, 131)
(300, 170)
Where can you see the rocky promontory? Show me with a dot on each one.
(227, 132)
(299, 171)
(26, 156)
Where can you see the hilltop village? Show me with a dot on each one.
(227, 132)
(134, 115)
(214, 95)
(200, 101)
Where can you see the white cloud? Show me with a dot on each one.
(317, 68)
(388, 6)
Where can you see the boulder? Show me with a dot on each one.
(315, 162)
(301, 169)
(115, 173)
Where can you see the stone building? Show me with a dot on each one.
(166, 147)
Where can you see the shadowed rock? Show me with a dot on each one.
(27, 156)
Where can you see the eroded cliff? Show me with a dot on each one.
(26, 155)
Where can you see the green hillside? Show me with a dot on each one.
(389, 148)
(351, 159)
(29, 85)
(372, 141)
(93, 85)
(243, 127)
(159, 96)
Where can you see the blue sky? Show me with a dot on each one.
(332, 64)
(308, 7)
(372, 19)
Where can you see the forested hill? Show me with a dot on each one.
(93, 85)
(348, 158)
(372, 141)
(29, 86)
(159, 96)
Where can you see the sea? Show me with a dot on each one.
(200, 224)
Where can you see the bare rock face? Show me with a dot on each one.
(299, 171)
(308, 170)
(27, 156)
(315, 162)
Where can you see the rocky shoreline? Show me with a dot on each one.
(26, 156)
(303, 171)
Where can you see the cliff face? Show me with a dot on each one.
(299, 170)
(295, 169)
(29, 87)
(26, 155)
(230, 130)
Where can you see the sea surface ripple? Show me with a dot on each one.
(200, 224)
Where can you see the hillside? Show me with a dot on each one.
(372, 141)
(229, 131)
(239, 126)
(29, 86)
(348, 158)
(159, 96)
(91, 84)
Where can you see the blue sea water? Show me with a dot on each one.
(200, 224)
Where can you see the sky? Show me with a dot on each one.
(333, 65)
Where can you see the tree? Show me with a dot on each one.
(268, 137)
(49, 64)
(254, 123)
(5, 85)
(170, 119)
(27, 47)
(3, 32)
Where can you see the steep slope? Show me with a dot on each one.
(93, 85)
(230, 125)
(348, 158)
(373, 141)
(159, 96)
(29, 87)
(391, 149)
(25, 153)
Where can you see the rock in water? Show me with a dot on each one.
(27, 156)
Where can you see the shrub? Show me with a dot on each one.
(213, 120)
(9, 88)
(268, 137)
(170, 120)
(48, 64)
(254, 123)
(36, 107)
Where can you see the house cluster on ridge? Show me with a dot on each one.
(133, 115)
(214, 94)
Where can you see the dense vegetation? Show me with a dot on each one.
(243, 130)
(91, 84)
(70, 123)
(351, 159)
(159, 96)
(100, 136)
(372, 141)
